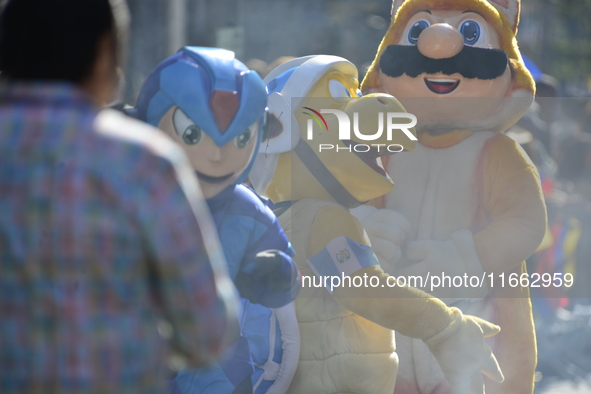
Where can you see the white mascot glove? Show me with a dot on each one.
(444, 260)
(386, 230)
(463, 355)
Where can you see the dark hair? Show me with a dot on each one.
(53, 39)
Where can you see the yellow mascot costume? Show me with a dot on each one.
(314, 168)
(470, 193)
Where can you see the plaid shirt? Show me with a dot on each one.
(98, 241)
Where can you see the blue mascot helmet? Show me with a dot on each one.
(216, 91)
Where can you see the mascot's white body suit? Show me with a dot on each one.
(471, 194)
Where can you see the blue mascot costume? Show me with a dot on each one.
(215, 108)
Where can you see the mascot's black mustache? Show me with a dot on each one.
(471, 62)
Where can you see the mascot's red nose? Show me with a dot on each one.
(224, 105)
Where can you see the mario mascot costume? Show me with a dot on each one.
(347, 342)
(471, 194)
(215, 108)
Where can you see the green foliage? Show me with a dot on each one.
(570, 47)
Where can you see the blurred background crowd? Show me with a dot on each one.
(554, 35)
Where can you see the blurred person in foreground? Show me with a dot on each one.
(90, 272)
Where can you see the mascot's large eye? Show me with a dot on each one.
(243, 139)
(184, 127)
(472, 32)
(416, 29)
(192, 135)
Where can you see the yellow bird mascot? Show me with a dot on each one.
(320, 161)
(470, 193)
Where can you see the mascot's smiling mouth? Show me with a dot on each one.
(370, 157)
(213, 179)
(441, 85)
